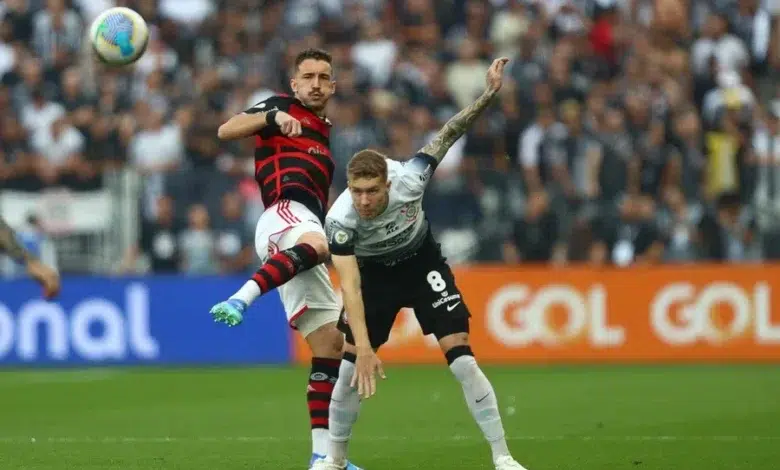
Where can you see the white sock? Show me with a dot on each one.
(343, 413)
(482, 402)
(319, 441)
(248, 293)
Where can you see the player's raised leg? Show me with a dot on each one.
(480, 397)
(310, 251)
(290, 241)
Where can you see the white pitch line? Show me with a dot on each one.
(253, 439)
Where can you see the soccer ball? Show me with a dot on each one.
(119, 36)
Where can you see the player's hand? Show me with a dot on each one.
(495, 74)
(290, 126)
(47, 277)
(367, 367)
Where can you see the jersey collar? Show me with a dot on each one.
(324, 118)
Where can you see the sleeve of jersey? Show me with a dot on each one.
(418, 171)
(341, 240)
(266, 105)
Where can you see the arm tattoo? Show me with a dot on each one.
(10, 246)
(457, 126)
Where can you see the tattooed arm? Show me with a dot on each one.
(10, 246)
(459, 123)
(47, 277)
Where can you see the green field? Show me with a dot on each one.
(578, 418)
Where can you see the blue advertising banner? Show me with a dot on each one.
(154, 320)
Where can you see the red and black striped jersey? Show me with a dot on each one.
(295, 168)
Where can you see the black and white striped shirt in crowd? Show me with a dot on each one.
(50, 36)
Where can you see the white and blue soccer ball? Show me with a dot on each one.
(119, 36)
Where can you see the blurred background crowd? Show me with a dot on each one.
(627, 132)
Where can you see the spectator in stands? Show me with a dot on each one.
(678, 223)
(536, 237)
(159, 56)
(75, 100)
(465, 75)
(531, 150)
(103, 149)
(508, 26)
(350, 133)
(198, 243)
(567, 152)
(57, 32)
(61, 147)
(18, 162)
(376, 52)
(17, 19)
(629, 237)
(752, 24)
(614, 163)
(235, 239)
(730, 96)
(687, 157)
(158, 242)
(40, 112)
(728, 232)
(157, 150)
(201, 178)
(728, 50)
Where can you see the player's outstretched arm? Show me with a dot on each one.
(46, 276)
(457, 126)
(367, 362)
(349, 277)
(10, 246)
(252, 121)
(242, 125)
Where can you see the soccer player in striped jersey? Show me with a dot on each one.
(387, 258)
(294, 169)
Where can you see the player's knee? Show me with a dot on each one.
(462, 363)
(326, 341)
(453, 340)
(457, 352)
(317, 241)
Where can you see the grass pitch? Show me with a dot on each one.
(557, 418)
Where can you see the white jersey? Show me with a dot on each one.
(395, 234)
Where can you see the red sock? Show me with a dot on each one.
(322, 381)
(285, 265)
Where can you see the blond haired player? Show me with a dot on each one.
(387, 258)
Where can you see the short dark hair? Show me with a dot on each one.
(313, 53)
(728, 199)
(367, 164)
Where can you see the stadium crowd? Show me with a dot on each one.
(631, 131)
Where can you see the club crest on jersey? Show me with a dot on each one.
(410, 210)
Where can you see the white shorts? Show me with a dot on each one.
(309, 298)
